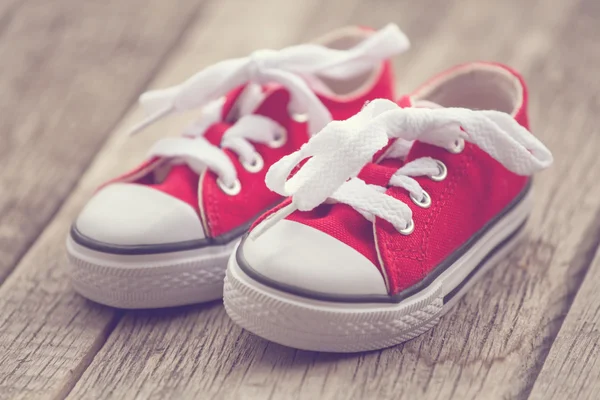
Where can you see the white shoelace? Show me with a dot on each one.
(343, 148)
(198, 153)
(292, 67)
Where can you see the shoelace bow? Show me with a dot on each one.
(338, 153)
(291, 67)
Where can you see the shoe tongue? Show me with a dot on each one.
(214, 133)
(269, 100)
(380, 173)
(274, 104)
(181, 182)
(405, 101)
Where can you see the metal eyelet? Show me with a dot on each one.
(279, 140)
(409, 228)
(440, 176)
(232, 190)
(300, 118)
(425, 202)
(459, 146)
(256, 165)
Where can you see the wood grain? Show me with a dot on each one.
(49, 334)
(571, 370)
(492, 345)
(68, 72)
(69, 69)
(500, 332)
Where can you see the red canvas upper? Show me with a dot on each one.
(222, 213)
(476, 189)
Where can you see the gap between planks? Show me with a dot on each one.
(69, 71)
(499, 333)
(570, 370)
(175, 351)
(38, 304)
(125, 44)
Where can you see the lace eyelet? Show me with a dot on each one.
(409, 228)
(278, 141)
(440, 176)
(300, 118)
(458, 146)
(232, 190)
(425, 202)
(256, 165)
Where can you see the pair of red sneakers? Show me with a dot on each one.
(375, 218)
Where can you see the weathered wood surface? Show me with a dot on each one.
(492, 345)
(572, 369)
(499, 333)
(69, 70)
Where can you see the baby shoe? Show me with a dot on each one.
(359, 262)
(161, 235)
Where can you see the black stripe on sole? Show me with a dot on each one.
(161, 248)
(482, 263)
(375, 298)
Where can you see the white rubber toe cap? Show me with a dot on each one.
(127, 214)
(296, 255)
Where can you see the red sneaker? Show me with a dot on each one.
(161, 235)
(359, 263)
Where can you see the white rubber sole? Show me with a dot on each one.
(310, 324)
(149, 281)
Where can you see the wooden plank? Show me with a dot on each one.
(490, 346)
(499, 333)
(571, 369)
(68, 71)
(49, 334)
